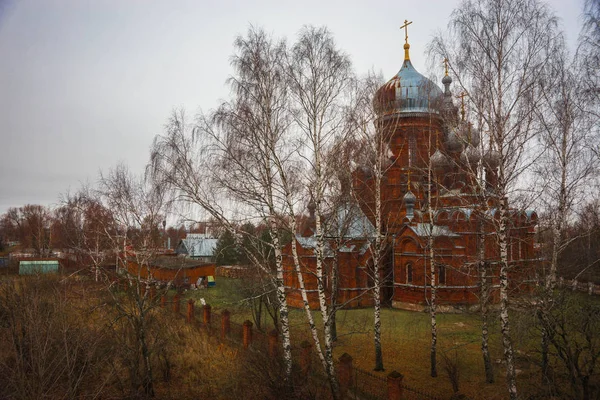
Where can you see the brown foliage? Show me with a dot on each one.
(50, 346)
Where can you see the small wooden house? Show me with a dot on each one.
(178, 271)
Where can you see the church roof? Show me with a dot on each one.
(407, 92)
(348, 223)
(198, 245)
(351, 223)
(426, 230)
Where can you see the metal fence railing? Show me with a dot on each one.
(364, 385)
(368, 386)
(411, 393)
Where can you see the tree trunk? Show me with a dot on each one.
(377, 258)
(335, 280)
(327, 337)
(309, 317)
(504, 317)
(283, 308)
(377, 323)
(545, 348)
(485, 295)
(147, 380)
(485, 351)
(433, 305)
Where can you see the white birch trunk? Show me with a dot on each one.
(432, 304)
(297, 267)
(311, 322)
(327, 338)
(557, 229)
(283, 308)
(485, 292)
(504, 301)
(377, 261)
(430, 244)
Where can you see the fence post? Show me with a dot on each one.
(163, 301)
(273, 343)
(176, 303)
(247, 334)
(206, 314)
(345, 374)
(190, 311)
(394, 385)
(305, 357)
(225, 324)
(590, 288)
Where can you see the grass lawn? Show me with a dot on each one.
(406, 339)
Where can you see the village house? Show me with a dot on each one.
(176, 271)
(198, 246)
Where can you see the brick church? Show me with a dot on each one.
(430, 193)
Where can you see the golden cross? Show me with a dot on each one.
(462, 100)
(446, 65)
(405, 26)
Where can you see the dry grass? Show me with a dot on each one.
(406, 344)
(201, 367)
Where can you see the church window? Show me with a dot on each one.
(442, 274)
(412, 147)
(409, 273)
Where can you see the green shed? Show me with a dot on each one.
(37, 267)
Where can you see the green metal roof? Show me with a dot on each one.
(37, 267)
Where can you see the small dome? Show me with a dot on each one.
(439, 160)
(408, 91)
(410, 199)
(472, 154)
(446, 80)
(311, 206)
(457, 138)
(474, 137)
(491, 159)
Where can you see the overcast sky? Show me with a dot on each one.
(86, 84)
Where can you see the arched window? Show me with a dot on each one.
(409, 273)
(442, 275)
(412, 148)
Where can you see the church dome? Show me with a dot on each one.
(458, 137)
(474, 137)
(407, 92)
(472, 154)
(491, 159)
(439, 160)
(409, 198)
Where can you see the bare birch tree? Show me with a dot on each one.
(319, 74)
(241, 156)
(588, 57)
(86, 228)
(499, 51)
(566, 168)
(376, 156)
(138, 207)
